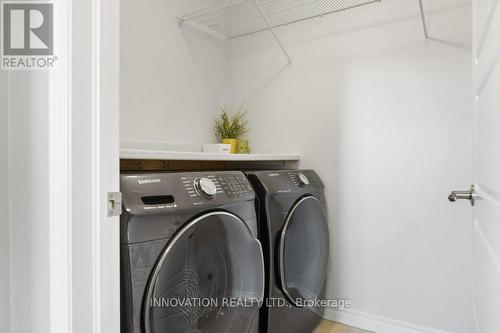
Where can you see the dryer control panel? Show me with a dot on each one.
(177, 191)
(290, 181)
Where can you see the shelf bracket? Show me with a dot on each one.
(202, 28)
(424, 22)
(271, 28)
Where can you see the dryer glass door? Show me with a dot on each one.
(303, 252)
(209, 278)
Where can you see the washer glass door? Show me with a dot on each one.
(209, 278)
(303, 252)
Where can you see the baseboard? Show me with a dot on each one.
(375, 323)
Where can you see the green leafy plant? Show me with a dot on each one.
(233, 126)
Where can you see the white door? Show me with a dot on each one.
(486, 231)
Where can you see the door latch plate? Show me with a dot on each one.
(114, 204)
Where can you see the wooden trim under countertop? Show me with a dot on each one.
(135, 165)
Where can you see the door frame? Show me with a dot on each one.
(84, 154)
(59, 191)
(485, 255)
(106, 164)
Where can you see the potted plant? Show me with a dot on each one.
(229, 128)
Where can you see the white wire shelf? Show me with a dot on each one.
(236, 18)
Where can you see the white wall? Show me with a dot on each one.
(29, 204)
(386, 120)
(172, 78)
(4, 207)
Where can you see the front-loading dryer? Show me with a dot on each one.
(294, 234)
(190, 257)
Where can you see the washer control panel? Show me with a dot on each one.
(205, 187)
(210, 186)
(235, 186)
(202, 185)
(177, 191)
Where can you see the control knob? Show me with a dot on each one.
(303, 180)
(205, 187)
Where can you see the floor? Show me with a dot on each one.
(330, 327)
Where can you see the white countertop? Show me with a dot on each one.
(181, 152)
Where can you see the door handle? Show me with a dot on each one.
(463, 195)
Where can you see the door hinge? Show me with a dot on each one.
(114, 204)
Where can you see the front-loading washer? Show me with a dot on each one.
(293, 231)
(190, 257)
